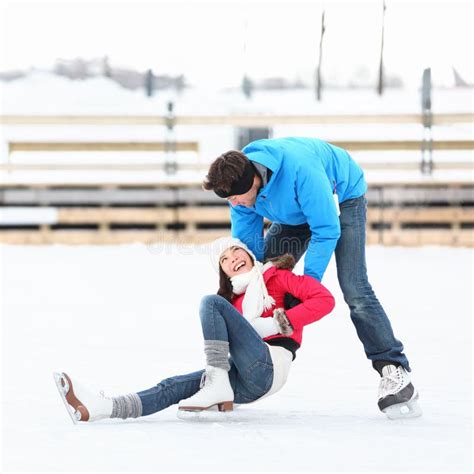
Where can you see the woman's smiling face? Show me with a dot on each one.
(235, 261)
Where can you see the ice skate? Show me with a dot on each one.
(210, 415)
(398, 397)
(215, 391)
(80, 403)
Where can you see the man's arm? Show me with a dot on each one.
(315, 197)
(247, 226)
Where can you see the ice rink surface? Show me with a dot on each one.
(121, 318)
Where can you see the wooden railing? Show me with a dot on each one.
(262, 120)
(423, 211)
(53, 146)
(124, 146)
(420, 213)
(350, 145)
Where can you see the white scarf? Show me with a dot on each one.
(256, 298)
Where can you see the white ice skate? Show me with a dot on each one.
(211, 415)
(81, 403)
(215, 391)
(398, 397)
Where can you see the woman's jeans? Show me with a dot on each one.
(251, 368)
(369, 318)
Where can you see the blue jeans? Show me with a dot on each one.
(372, 324)
(251, 368)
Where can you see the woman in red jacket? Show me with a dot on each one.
(247, 320)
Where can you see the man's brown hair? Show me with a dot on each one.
(225, 170)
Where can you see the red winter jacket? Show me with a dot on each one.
(316, 300)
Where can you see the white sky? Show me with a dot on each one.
(205, 40)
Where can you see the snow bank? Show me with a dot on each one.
(44, 93)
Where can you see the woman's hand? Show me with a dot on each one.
(265, 327)
(284, 325)
(278, 324)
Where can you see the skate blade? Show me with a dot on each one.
(221, 406)
(63, 389)
(209, 415)
(410, 409)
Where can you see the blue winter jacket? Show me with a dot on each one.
(306, 174)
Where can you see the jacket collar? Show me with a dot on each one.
(269, 273)
(269, 154)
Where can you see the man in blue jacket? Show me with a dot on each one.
(314, 195)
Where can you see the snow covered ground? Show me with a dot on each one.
(124, 317)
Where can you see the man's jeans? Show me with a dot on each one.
(251, 368)
(369, 318)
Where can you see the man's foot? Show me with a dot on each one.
(397, 395)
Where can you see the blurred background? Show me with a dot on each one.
(111, 112)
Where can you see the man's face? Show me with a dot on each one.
(248, 199)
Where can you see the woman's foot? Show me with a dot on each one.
(81, 403)
(215, 391)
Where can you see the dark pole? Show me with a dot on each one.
(318, 73)
(247, 84)
(380, 84)
(171, 165)
(149, 86)
(427, 144)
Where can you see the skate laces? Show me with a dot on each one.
(103, 395)
(206, 380)
(391, 383)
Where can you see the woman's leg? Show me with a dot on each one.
(169, 392)
(226, 331)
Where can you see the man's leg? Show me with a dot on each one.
(292, 239)
(372, 324)
(280, 239)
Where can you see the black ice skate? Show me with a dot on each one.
(398, 398)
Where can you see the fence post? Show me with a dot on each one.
(380, 86)
(320, 59)
(149, 85)
(171, 166)
(427, 118)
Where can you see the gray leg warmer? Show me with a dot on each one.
(217, 354)
(127, 406)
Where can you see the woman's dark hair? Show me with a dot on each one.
(225, 286)
(225, 170)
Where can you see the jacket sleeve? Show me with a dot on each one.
(247, 226)
(316, 300)
(315, 197)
